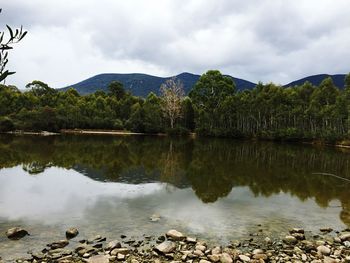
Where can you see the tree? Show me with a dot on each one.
(5, 45)
(172, 94)
(116, 89)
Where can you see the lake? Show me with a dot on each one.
(216, 189)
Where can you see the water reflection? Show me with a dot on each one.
(211, 167)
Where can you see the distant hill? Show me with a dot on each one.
(142, 84)
(316, 80)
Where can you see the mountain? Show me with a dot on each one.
(142, 84)
(338, 80)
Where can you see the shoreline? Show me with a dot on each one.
(297, 246)
(98, 132)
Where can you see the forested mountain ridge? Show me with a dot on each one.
(338, 80)
(142, 84)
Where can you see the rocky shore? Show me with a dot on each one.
(328, 246)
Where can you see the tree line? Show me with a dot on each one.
(213, 107)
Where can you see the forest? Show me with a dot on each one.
(212, 108)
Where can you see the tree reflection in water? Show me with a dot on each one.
(212, 167)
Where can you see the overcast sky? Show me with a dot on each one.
(266, 40)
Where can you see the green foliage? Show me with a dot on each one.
(6, 44)
(214, 108)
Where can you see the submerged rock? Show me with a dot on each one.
(72, 233)
(290, 240)
(16, 233)
(99, 259)
(58, 244)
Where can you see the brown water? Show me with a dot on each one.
(216, 189)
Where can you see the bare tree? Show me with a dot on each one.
(172, 93)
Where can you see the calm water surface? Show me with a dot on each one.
(212, 188)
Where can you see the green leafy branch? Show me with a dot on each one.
(15, 36)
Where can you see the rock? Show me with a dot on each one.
(258, 251)
(299, 236)
(326, 229)
(244, 258)
(268, 240)
(99, 259)
(201, 248)
(16, 233)
(260, 256)
(198, 253)
(134, 261)
(120, 256)
(191, 240)
(72, 233)
(346, 243)
(175, 235)
(323, 250)
(297, 230)
(58, 244)
(329, 260)
(113, 244)
(214, 258)
(117, 251)
(166, 247)
(155, 218)
(216, 251)
(225, 258)
(303, 257)
(290, 240)
(345, 237)
(204, 261)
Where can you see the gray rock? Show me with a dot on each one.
(214, 258)
(175, 235)
(166, 247)
(216, 251)
(16, 233)
(296, 230)
(72, 233)
(204, 261)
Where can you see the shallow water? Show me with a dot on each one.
(213, 188)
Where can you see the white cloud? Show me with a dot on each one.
(270, 40)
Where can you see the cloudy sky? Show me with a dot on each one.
(266, 40)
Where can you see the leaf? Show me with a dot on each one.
(23, 35)
(10, 30)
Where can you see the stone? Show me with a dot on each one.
(155, 218)
(16, 233)
(299, 236)
(290, 240)
(296, 230)
(258, 251)
(303, 257)
(201, 248)
(345, 237)
(166, 247)
(204, 261)
(117, 251)
(58, 244)
(244, 258)
(329, 260)
(225, 258)
(346, 243)
(98, 259)
(216, 250)
(323, 250)
(72, 233)
(214, 258)
(113, 244)
(198, 253)
(268, 240)
(326, 229)
(175, 235)
(191, 240)
(260, 256)
(120, 256)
